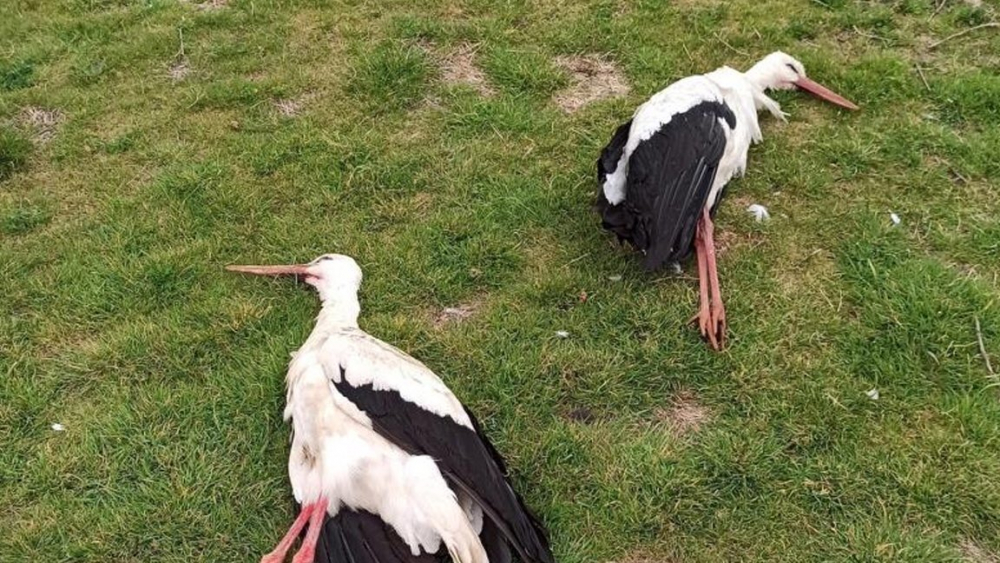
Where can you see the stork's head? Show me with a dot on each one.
(779, 71)
(330, 274)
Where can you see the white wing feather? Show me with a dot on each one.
(367, 360)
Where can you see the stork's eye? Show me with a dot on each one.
(791, 66)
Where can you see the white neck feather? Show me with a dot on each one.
(340, 308)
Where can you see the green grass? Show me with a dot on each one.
(14, 151)
(167, 373)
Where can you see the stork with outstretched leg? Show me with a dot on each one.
(663, 174)
(387, 465)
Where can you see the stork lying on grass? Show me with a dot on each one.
(663, 173)
(383, 446)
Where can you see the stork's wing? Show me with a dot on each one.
(361, 537)
(385, 367)
(611, 154)
(670, 176)
(409, 406)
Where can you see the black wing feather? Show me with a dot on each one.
(465, 457)
(361, 537)
(669, 179)
(497, 550)
(615, 218)
(611, 154)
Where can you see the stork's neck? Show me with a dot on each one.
(761, 78)
(760, 75)
(340, 308)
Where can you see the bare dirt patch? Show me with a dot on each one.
(684, 415)
(972, 553)
(592, 77)
(459, 67)
(291, 107)
(212, 5)
(43, 121)
(455, 314)
(582, 415)
(179, 71)
(288, 108)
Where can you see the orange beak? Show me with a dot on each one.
(286, 270)
(824, 93)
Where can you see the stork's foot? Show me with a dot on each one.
(307, 553)
(712, 325)
(313, 515)
(716, 326)
(711, 315)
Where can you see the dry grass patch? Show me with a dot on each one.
(212, 5)
(43, 121)
(684, 415)
(455, 314)
(645, 558)
(592, 78)
(288, 107)
(458, 67)
(179, 71)
(972, 553)
(728, 240)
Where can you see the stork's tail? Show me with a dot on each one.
(361, 537)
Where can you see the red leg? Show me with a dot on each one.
(717, 326)
(278, 555)
(307, 553)
(704, 315)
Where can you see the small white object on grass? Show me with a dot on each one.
(562, 334)
(58, 427)
(616, 277)
(759, 212)
(872, 394)
(894, 218)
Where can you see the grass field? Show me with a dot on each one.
(145, 144)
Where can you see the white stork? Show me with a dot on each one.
(383, 446)
(663, 174)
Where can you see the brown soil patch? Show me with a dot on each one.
(459, 67)
(592, 77)
(43, 121)
(456, 314)
(975, 554)
(684, 415)
(583, 415)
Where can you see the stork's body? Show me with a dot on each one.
(384, 447)
(663, 174)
